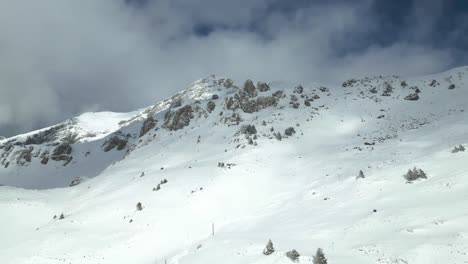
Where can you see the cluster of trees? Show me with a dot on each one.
(293, 255)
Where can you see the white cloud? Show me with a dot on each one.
(61, 57)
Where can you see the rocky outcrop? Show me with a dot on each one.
(48, 135)
(228, 83)
(116, 141)
(24, 156)
(262, 87)
(210, 106)
(44, 157)
(434, 83)
(176, 103)
(412, 97)
(174, 120)
(250, 89)
(246, 101)
(388, 89)
(324, 89)
(148, 124)
(76, 181)
(349, 83)
(62, 153)
(298, 89)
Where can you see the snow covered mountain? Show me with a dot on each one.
(213, 173)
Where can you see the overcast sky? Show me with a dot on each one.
(59, 58)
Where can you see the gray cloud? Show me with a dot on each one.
(63, 57)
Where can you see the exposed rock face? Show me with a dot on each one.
(416, 89)
(250, 89)
(117, 141)
(298, 89)
(174, 120)
(148, 124)
(44, 157)
(62, 152)
(278, 94)
(24, 156)
(76, 181)
(48, 135)
(210, 106)
(388, 89)
(228, 83)
(434, 83)
(294, 101)
(266, 101)
(242, 100)
(324, 89)
(412, 97)
(263, 87)
(349, 83)
(176, 103)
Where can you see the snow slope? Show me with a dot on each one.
(301, 191)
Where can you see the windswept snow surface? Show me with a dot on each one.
(300, 192)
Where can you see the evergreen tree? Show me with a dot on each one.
(319, 257)
(293, 255)
(269, 249)
(139, 206)
(361, 175)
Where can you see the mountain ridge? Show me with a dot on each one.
(307, 166)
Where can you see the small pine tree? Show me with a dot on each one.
(458, 148)
(139, 207)
(361, 175)
(61, 217)
(293, 255)
(319, 257)
(269, 249)
(158, 187)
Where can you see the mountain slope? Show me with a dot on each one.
(241, 167)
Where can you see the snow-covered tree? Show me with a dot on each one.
(361, 175)
(415, 174)
(139, 206)
(293, 255)
(269, 249)
(319, 257)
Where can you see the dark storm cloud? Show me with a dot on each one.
(63, 57)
